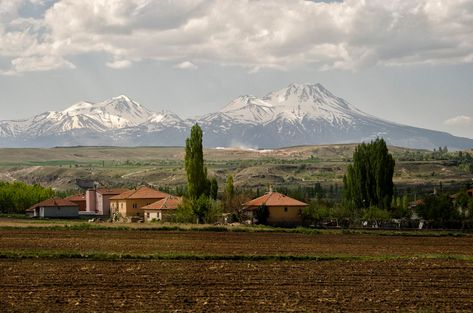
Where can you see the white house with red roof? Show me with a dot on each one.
(55, 208)
(160, 209)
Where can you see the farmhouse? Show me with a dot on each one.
(98, 200)
(55, 208)
(283, 210)
(129, 203)
(161, 208)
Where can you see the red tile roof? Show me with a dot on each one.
(111, 191)
(76, 198)
(274, 199)
(54, 203)
(168, 203)
(141, 193)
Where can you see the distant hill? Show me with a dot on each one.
(61, 168)
(300, 114)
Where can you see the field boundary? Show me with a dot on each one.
(243, 229)
(17, 255)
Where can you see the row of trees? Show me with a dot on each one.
(17, 197)
(369, 180)
(368, 190)
(368, 193)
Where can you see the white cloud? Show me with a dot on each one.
(186, 65)
(281, 34)
(40, 63)
(461, 120)
(119, 64)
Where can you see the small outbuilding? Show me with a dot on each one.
(160, 209)
(281, 209)
(55, 208)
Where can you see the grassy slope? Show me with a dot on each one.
(163, 166)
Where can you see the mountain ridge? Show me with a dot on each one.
(299, 114)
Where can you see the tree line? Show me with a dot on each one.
(17, 197)
(367, 193)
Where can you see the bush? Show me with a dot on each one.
(184, 213)
(204, 209)
(262, 214)
(214, 212)
(376, 214)
(439, 210)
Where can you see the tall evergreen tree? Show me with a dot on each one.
(369, 180)
(213, 188)
(229, 188)
(197, 182)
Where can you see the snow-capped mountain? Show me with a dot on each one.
(295, 103)
(299, 114)
(302, 114)
(86, 123)
(115, 113)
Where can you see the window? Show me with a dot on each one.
(285, 209)
(147, 214)
(135, 205)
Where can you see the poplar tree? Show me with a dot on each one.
(213, 188)
(369, 180)
(229, 188)
(197, 182)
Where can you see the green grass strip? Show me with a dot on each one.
(246, 229)
(15, 255)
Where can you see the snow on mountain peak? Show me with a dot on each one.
(164, 116)
(301, 93)
(245, 102)
(293, 103)
(249, 109)
(78, 107)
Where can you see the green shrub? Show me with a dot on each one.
(262, 214)
(17, 197)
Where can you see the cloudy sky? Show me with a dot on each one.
(410, 61)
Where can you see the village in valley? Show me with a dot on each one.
(368, 202)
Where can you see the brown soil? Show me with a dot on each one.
(234, 286)
(228, 243)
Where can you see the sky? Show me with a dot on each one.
(408, 61)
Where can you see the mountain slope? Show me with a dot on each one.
(115, 113)
(299, 114)
(303, 114)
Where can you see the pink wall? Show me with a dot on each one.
(90, 197)
(97, 202)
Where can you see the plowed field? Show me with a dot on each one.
(228, 243)
(235, 286)
(366, 272)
